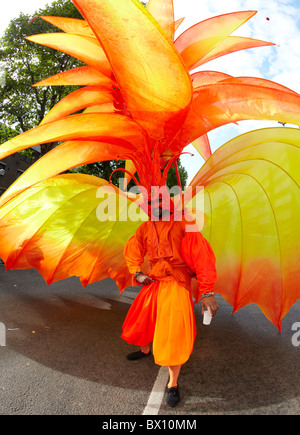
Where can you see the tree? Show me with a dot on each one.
(172, 178)
(104, 170)
(25, 63)
(6, 133)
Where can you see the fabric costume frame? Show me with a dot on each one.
(145, 106)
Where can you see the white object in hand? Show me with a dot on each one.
(206, 318)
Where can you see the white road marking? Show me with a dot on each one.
(157, 393)
(159, 388)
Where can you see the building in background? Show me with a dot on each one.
(13, 166)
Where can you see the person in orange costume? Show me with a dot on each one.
(163, 311)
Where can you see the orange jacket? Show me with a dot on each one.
(169, 249)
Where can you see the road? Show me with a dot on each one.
(63, 355)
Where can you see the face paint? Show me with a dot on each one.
(160, 205)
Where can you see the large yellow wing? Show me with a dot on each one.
(69, 225)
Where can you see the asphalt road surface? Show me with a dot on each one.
(62, 355)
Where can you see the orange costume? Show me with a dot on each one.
(163, 312)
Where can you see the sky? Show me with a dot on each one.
(13, 8)
(276, 21)
(279, 63)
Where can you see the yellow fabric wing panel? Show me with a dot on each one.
(56, 228)
(63, 157)
(253, 210)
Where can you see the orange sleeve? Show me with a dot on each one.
(135, 251)
(200, 258)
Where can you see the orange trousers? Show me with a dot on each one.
(162, 313)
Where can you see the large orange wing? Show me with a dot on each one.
(150, 72)
(69, 225)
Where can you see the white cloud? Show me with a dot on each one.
(280, 63)
(13, 8)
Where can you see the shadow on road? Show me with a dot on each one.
(236, 364)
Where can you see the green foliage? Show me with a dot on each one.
(172, 178)
(103, 170)
(6, 133)
(25, 63)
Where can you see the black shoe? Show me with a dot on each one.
(134, 356)
(173, 396)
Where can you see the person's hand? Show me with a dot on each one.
(210, 304)
(143, 279)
